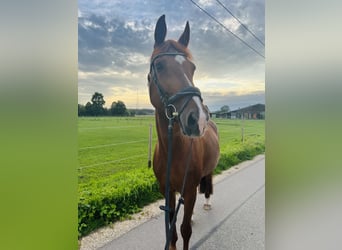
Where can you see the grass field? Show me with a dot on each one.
(113, 158)
(111, 145)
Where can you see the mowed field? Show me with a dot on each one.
(108, 145)
(113, 156)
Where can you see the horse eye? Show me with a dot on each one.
(159, 66)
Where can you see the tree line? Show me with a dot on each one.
(118, 108)
(95, 108)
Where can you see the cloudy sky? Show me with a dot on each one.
(115, 42)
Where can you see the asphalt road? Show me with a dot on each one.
(236, 220)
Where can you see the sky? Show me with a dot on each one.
(116, 38)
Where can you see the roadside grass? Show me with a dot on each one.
(113, 178)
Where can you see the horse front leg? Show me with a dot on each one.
(186, 230)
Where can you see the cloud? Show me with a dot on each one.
(104, 42)
(116, 40)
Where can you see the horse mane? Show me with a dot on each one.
(170, 45)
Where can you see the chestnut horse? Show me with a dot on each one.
(195, 139)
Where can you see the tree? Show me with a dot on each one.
(98, 103)
(119, 109)
(113, 108)
(89, 109)
(81, 110)
(225, 108)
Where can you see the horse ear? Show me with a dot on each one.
(185, 37)
(160, 31)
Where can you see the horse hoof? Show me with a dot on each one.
(207, 207)
(172, 248)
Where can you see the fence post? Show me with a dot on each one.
(242, 129)
(150, 147)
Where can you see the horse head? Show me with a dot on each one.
(170, 79)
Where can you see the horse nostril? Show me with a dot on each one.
(192, 120)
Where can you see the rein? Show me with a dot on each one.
(170, 226)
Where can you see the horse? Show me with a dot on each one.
(195, 142)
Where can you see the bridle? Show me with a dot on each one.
(165, 98)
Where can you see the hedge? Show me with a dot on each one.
(113, 199)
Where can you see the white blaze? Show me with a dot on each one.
(202, 121)
(180, 59)
(187, 79)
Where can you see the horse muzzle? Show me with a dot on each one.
(194, 122)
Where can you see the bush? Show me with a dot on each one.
(108, 203)
(238, 154)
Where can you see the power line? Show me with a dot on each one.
(222, 25)
(240, 22)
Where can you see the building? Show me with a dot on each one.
(256, 111)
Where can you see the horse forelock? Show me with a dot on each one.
(169, 46)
